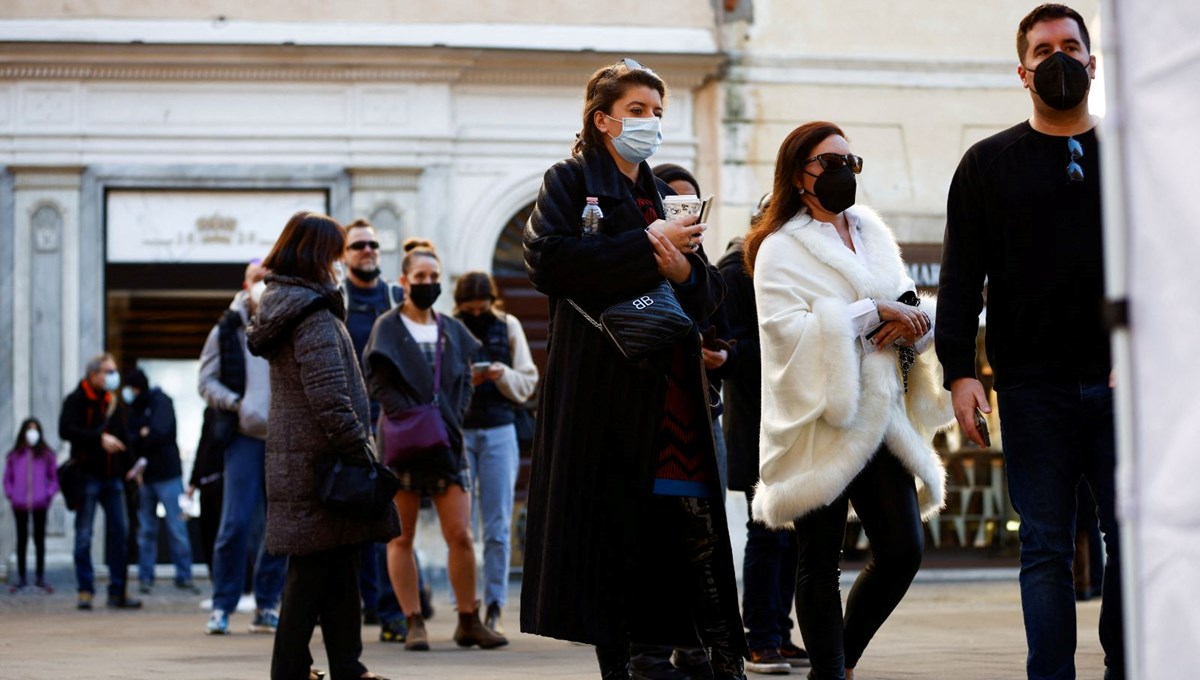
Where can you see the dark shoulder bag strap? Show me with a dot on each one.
(437, 359)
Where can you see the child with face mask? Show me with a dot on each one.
(30, 482)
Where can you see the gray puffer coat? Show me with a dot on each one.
(319, 409)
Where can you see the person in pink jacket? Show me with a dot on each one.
(30, 482)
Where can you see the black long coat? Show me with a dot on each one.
(743, 382)
(593, 564)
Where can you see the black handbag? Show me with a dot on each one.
(644, 324)
(72, 483)
(361, 488)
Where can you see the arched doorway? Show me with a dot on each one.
(519, 295)
(533, 309)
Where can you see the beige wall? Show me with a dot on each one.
(616, 12)
(913, 85)
(919, 29)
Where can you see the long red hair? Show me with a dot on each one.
(785, 199)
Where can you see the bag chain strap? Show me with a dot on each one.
(592, 321)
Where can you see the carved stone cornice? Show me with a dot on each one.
(289, 63)
(384, 180)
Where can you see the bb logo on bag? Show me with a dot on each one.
(643, 302)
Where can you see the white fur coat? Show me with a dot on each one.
(825, 407)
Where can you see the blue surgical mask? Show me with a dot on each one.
(112, 380)
(639, 138)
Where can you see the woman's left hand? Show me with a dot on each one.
(895, 332)
(671, 263)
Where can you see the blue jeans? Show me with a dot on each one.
(769, 577)
(368, 575)
(495, 457)
(243, 516)
(722, 454)
(109, 494)
(150, 495)
(1055, 435)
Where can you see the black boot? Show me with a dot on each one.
(614, 662)
(718, 634)
(726, 666)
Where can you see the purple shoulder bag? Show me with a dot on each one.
(420, 431)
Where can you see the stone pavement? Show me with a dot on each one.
(943, 629)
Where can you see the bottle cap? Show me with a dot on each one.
(593, 199)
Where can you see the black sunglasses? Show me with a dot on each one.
(635, 65)
(837, 161)
(1074, 169)
(360, 245)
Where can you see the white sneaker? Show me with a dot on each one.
(218, 623)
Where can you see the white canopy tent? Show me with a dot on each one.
(1152, 238)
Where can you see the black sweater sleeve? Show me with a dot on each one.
(72, 427)
(960, 288)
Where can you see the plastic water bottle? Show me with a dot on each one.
(590, 219)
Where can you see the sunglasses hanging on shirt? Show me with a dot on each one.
(1075, 152)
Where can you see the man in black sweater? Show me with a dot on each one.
(97, 446)
(1024, 212)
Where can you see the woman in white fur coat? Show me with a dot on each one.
(850, 396)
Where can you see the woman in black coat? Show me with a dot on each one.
(626, 534)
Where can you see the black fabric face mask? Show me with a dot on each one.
(365, 274)
(424, 295)
(478, 324)
(835, 189)
(1061, 81)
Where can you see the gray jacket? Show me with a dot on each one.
(252, 412)
(319, 411)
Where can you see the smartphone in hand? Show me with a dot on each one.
(981, 425)
(704, 207)
(480, 367)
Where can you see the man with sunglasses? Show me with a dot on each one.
(367, 295)
(1023, 216)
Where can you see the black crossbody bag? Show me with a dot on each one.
(644, 324)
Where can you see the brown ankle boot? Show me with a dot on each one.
(418, 639)
(471, 631)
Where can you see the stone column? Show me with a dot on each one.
(46, 254)
(388, 199)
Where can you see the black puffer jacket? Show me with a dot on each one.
(155, 411)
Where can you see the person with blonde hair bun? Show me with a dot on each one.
(416, 357)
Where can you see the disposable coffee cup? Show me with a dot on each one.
(676, 206)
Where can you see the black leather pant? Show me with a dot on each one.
(885, 498)
(689, 522)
